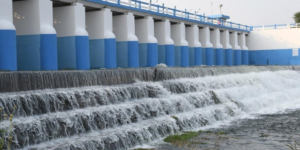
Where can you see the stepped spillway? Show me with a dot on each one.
(123, 114)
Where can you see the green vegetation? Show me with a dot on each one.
(174, 117)
(6, 133)
(294, 146)
(215, 97)
(221, 133)
(297, 17)
(183, 137)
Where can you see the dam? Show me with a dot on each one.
(120, 74)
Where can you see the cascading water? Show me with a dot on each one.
(125, 116)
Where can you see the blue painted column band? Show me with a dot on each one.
(219, 57)
(82, 52)
(170, 55)
(133, 54)
(184, 56)
(237, 57)
(48, 52)
(197, 56)
(8, 50)
(209, 53)
(97, 53)
(228, 57)
(110, 53)
(103, 53)
(245, 57)
(192, 56)
(28, 52)
(66, 50)
(152, 54)
(177, 50)
(143, 54)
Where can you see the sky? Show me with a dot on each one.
(247, 12)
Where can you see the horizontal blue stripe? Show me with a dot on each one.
(245, 57)
(273, 57)
(8, 50)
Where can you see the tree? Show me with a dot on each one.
(297, 17)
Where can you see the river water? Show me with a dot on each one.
(120, 117)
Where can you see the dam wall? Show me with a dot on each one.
(274, 45)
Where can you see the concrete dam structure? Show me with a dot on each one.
(94, 34)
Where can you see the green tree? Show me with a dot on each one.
(297, 17)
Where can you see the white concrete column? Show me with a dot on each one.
(162, 32)
(195, 47)
(207, 47)
(36, 37)
(218, 48)
(237, 57)
(225, 41)
(99, 25)
(127, 42)
(148, 47)
(8, 51)
(181, 45)
(244, 49)
(73, 40)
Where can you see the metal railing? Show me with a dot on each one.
(173, 12)
(277, 26)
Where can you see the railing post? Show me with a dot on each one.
(174, 13)
(150, 3)
(163, 7)
(195, 16)
(157, 8)
(119, 2)
(140, 5)
(129, 1)
(185, 16)
(263, 27)
(275, 27)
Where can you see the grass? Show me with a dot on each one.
(181, 138)
(221, 133)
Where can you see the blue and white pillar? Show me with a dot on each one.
(195, 47)
(218, 48)
(36, 37)
(127, 42)
(207, 47)
(162, 32)
(237, 55)
(73, 39)
(181, 45)
(8, 50)
(244, 49)
(99, 25)
(225, 40)
(148, 47)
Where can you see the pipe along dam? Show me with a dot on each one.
(118, 74)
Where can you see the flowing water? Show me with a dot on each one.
(119, 117)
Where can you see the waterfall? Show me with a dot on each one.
(132, 113)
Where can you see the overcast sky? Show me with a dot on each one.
(249, 12)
